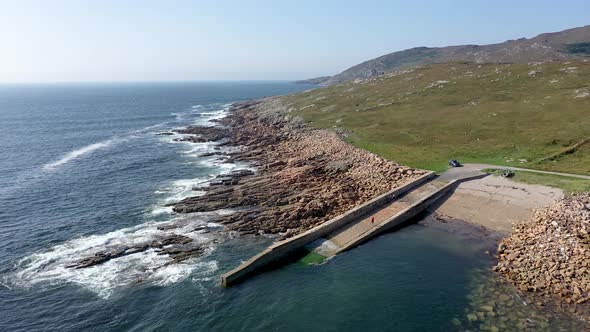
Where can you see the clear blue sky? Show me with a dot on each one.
(133, 40)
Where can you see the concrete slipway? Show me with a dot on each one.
(360, 224)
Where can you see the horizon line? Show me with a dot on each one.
(146, 81)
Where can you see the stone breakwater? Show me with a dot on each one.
(304, 176)
(550, 254)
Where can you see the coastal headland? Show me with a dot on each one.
(301, 177)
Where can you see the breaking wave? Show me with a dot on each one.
(54, 265)
(148, 128)
(202, 114)
(51, 267)
(102, 145)
(80, 152)
(179, 190)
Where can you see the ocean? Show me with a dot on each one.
(84, 167)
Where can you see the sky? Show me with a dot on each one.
(171, 40)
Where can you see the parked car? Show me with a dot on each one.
(507, 173)
(454, 163)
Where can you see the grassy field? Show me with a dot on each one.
(504, 114)
(568, 184)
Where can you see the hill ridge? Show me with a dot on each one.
(567, 44)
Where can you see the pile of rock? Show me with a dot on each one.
(304, 178)
(551, 252)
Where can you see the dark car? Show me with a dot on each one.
(454, 163)
(507, 173)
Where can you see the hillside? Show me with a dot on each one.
(526, 115)
(568, 44)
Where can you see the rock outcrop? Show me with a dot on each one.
(173, 245)
(201, 134)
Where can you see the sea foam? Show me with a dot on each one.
(50, 267)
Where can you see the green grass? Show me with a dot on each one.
(568, 184)
(497, 114)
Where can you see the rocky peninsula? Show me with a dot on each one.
(303, 176)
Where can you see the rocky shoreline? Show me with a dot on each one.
(303, 176)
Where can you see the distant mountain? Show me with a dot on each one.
(567, 44)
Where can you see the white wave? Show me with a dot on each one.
(99, 146)
(222, 168)
(196, 149)
(179, 116)
(172, 274)
(217, 114)
(209, 108)
(179, 190)
(206, 118)
(49, 267)
(175, 138)
(172, 138)
(80, 152)
(203, 117)
(148, 128)
(162, 210)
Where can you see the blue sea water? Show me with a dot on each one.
(83, 168)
